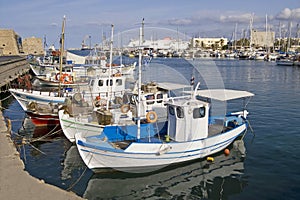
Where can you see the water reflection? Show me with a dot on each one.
(202, 179)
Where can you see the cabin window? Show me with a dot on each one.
(109, 81)
(119, 82)
(179, 111)
(171, 110)
(159, 98)
(100, 83)
(149, 98)
(92, 82)
(199, 112)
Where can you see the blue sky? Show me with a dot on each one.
(214, 18)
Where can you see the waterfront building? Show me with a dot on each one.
(262, 38)
(165, 44)
(208, 43)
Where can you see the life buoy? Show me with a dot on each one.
(151, 117)
(117, 75)
(64, 78)
(125, 108)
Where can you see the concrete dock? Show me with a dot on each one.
(15, 182)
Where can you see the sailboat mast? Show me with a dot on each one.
(235, 29)
(289, 39)
(110, 64)
(266, 39)
(141, 39)
(62, 44)
(251, 27)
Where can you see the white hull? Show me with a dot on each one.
(24, 97)
(285, 63)
(139, 155)
(72, 126)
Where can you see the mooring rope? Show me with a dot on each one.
(50, 133)
(79, 178)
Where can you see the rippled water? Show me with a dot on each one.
(269, 168)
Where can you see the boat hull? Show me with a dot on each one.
(25, 97)
(43, 119)
(149, 155)
(71, 126)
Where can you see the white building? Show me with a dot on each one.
(162, 44)
(206, 43)
(262, 38)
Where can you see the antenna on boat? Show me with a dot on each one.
(62, 43)
(110, 64)
(195, 90)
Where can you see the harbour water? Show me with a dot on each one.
(264, 165)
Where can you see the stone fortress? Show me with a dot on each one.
(11, 44)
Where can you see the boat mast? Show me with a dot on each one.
(251, 27)
(235, 29)
(266, 39)
(289, 38)
(110, 64)
(62, 44)
(141, 40)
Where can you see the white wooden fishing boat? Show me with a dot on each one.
(191, 134)
(154, 96)
(97, 87)
(221, 172)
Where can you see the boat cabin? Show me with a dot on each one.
(187, 119)
(101, 85)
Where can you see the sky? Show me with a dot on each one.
(90, 20)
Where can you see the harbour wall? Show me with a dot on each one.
(10, 68)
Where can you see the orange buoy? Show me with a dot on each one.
(226, 152)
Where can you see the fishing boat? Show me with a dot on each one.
(191, 134)
(193, 178)
(41, 105)
(154, 96)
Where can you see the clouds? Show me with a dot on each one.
(236, 18)
(181, 22)
(289, 14)
(210, 19)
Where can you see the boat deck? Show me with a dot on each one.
(215, 129)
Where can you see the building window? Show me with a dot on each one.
(100, 83)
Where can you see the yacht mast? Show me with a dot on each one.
(251, 27)
(62, 44)
(109, 71)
